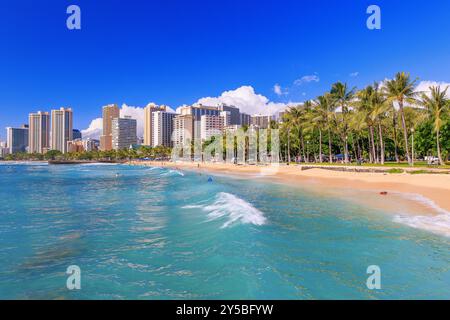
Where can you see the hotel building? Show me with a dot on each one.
(90, 144)
(234, 113)
(39, 132)
(197, 112)
(148, 122)
(110, 112)
(124, 133)
(75, 146)
(76, 134)
(246, 119)
(183, 129)
(162, 128)
(3, 149)
(260, 121)
(17, 139)
(210, 126)
(62, 129)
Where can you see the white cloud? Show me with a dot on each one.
(246, 100)
(135, 113)
(280, 91)
(307, 79)
(424, 87)
(95, 128)
(354, 74)
(277, 89)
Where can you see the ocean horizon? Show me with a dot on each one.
(160, 233)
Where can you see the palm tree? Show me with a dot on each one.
(289, 121)
(298, 117)
(380, 108)
(402, 90)
(372, 103)
(342, 97)
(324, 115)
(365, 109)
(437, 104)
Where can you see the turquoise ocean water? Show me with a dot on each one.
(152, 233)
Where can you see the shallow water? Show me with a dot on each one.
(152, 233)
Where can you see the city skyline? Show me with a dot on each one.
(276, 73)
(161, 127)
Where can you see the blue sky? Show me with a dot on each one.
(176, 52)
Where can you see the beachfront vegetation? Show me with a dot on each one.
(383, 122)
(159, 152)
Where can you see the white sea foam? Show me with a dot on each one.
(439, 223)
(235, 209)
(23, 163)
(172, 172)
(96, 164)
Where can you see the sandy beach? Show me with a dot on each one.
(435, 187)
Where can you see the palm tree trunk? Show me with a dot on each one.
(344, 112)
(360, 151)
(381, 144)
(302, 141)
(405, 132)
(374, 152)
(329, 146)
(320, 146)
(346, 151)
(289, 147)
(439, 149)
(397, 159)
(370, 149)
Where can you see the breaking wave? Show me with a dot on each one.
(439, 223)
(235, 209)
(173, 172)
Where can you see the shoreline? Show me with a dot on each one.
(435, 187)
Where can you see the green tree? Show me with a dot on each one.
(437, 105)
(402, 90)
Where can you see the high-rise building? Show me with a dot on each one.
(90, 144)
(183, 129)
(3, 151)
(62, 129)
(110, 112)
(39, 132)
(197, 112)
(226, 119)
(260, 121)
(210, 126)
(76, 135)
(17, 139)
(234, 113)
(148, 122)
(246, 119)
(75, 146)
(162, 128)
(124, 133)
